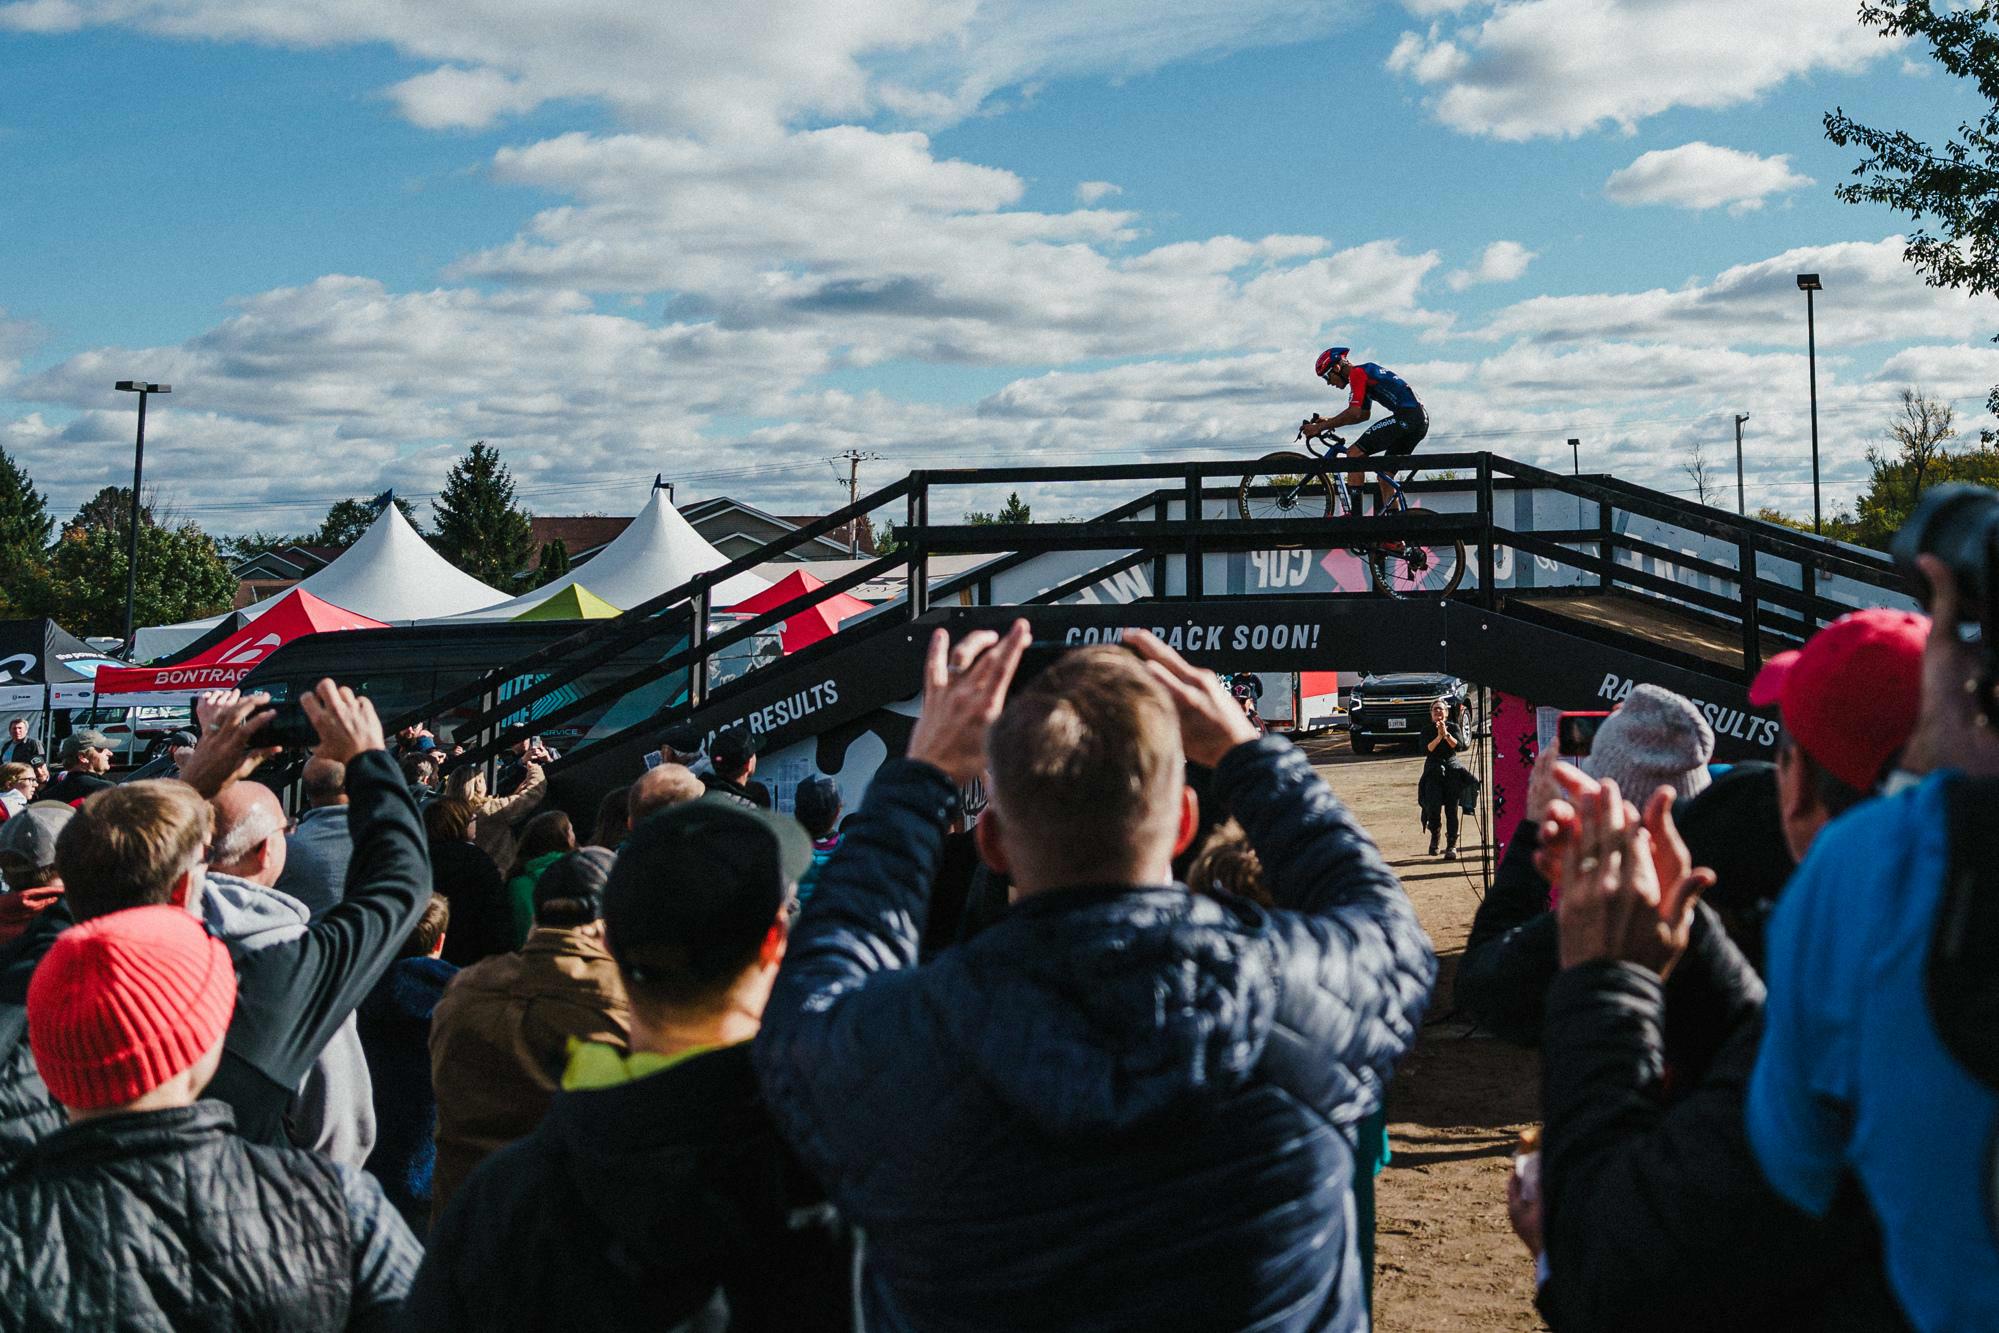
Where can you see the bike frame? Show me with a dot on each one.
(1325, 453)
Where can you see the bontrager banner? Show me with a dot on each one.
(224, 666)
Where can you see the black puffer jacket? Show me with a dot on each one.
(1656, 1215)
(27, 1112)
(166, 1219)
(1115, 1108)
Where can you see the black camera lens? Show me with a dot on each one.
(1959, 525)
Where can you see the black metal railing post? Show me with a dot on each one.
(1606, 546)
(1752, 616)
(1196, 581)
(1488, 589)
(1159, 557)
(919, 550)
(697, 639)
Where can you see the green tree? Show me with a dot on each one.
(25, 524)
(1951, 191)
(181, 576)
(1013, 511)
(348, 519)
(25, 527)
(554, 562)
(887, 540)
(255, 542)
(479, 527)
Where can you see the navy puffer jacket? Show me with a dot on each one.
(1116, 1108)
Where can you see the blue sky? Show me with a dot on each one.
(726, 246)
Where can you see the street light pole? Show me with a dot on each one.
(1575, 458)
(141, 388)
(1741, 505)
(1808, 283)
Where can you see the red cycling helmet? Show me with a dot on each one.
(1326, 359)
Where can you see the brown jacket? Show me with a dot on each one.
(500, 1036)
(499, 816)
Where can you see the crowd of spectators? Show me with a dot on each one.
(1112, 1054)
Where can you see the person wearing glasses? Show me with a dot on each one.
(17, 787)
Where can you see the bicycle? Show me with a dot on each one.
(1287, 484)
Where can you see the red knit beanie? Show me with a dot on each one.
(124, 1002)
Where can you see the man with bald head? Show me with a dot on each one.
(317, 853)
(334, 1108)
(663, 785)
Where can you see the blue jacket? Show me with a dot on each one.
(1117, 1108)
(394, 1022)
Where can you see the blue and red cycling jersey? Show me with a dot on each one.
(1378, 384)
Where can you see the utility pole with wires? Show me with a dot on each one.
(854, 457)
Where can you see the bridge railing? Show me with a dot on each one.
(1179, 541)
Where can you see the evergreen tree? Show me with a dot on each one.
(1951, 190)
(348, 519)
(181, 576)
(479, 527)
(554, 563)
(25, 525)
(1013, 511)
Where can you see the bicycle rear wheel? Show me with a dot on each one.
(1424, 568)
(1286, 485)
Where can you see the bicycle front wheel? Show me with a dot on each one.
(1431, 568)
(1286, 485)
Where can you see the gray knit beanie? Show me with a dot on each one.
(1656, 738)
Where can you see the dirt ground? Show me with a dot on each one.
(1445, 1257)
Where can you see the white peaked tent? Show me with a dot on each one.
(658, 552)
(391, 575)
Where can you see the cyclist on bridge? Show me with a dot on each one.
(1366, 385)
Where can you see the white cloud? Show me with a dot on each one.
(884, 250)
(1871, 296)
(723, 70)
(1503, 261)
(1518, 69)
(1095, 192)
(450, 98)
(1700, 176)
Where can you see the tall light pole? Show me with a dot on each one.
(141, 388)
(1575, 457)
(1809, 283)
(1741, 506)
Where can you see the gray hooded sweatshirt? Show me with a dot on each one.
(333, 1111)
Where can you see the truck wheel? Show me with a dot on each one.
(1361, 744)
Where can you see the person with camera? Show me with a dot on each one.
(1121, 1105)
(145, 842)
(1864, 1071)
(1447, 788)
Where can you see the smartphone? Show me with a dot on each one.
(1575, 733)
(288, 727)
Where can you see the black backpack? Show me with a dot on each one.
(1962, 975)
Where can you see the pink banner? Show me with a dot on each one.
(1513, 752)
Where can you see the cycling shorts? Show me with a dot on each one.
(1395, 437)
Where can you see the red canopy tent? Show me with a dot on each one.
(812, 624)
(296, 615)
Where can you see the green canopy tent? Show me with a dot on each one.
(574, 602)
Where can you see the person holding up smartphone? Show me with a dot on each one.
(1441, 791)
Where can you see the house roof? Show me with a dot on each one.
(577, 533)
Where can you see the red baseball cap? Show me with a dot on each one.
(1850, 696)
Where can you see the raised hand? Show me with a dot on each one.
(1614, 906)
(346, 722)
(225, 753)
(964, 689)
(1211, 722)
(1949, 729)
